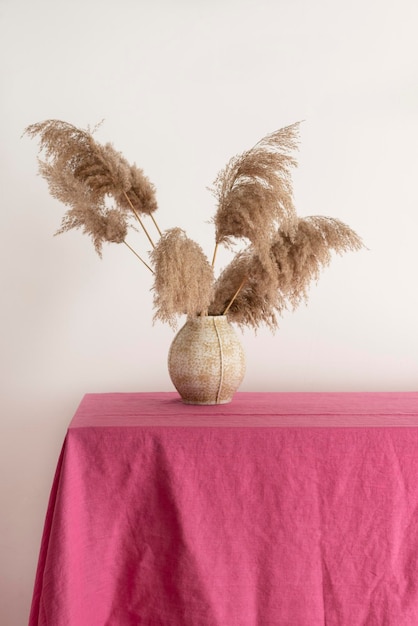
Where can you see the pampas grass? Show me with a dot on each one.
(248, 292)
(282, 255)
(254, 191)
(263, 291)
(82, 173)
(300, 258)
(183, 277)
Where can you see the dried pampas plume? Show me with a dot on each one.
(260, 293)
(79, 168)
(256, 298)
(183, 281)
(254, 191)
(300, 258)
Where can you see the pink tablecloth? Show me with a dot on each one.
(277, 509)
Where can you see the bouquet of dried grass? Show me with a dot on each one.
(107, 196)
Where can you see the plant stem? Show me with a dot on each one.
(214, 255)
(155, 224)
(244, 280)
(137, 255)
(139, 219)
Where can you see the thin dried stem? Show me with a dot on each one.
(244, 280)
(214, 254)
(137, 255)
(156, 225)
(139, 219)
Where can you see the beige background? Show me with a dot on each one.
(182, 87)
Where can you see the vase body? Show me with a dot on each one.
(206, 361)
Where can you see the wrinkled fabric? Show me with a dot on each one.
(279, 509)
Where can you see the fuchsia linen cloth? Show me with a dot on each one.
(279, 509)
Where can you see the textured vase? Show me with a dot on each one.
(206, 361)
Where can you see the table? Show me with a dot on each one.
(296, 509)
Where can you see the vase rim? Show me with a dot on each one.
(203, 317)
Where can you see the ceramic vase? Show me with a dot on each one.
(206, 361)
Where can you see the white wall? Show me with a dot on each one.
(182, 87)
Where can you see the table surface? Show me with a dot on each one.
(296, 509)
(270, 409)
